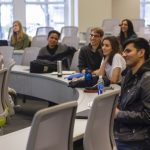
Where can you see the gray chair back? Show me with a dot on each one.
(71, 41)
(68, 31)
(99, 129)
(7, 52)
(3, 110)
(87, 35)
(108, 25)
(30, 54)
(43, 30)
(145, 33)
(7, 102)
(137, 24)
(39, 41)
(74, 63)
(52, 128)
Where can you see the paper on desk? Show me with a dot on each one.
(64, 72)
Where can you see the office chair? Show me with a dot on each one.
(108, 25)
(137, 24)
(87, 35)
(30, 54)
(74, 63)
(43, 30)
(39, 41)
(145, 33)
(99, 129)
(7, 52)
(68, 31)
(3, 110)
(116, 30)
(52, 128)
(6, 99)
(71, 41)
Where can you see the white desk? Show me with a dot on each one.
(49, 87)
(45, 86)
(18, 140)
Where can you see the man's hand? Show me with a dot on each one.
(116, 112)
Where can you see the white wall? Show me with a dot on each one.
(92, 12)
(122, 9)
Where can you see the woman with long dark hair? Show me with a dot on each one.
(126, 31)
(113, 63)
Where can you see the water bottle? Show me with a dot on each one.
(59, 68)
(100, 85)
(88, 76)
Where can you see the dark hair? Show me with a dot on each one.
(130, 31)
(139, 43)
(115, 47)
(54, 31)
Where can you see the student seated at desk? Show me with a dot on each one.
(90, 56)
(113, 63)
(56, 51)
(19, 39)
(132, 115)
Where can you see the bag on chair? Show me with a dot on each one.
(42, 66)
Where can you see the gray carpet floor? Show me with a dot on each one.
(24, 113)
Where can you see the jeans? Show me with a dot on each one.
(136, 145)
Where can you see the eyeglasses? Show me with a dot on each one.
(94, 35)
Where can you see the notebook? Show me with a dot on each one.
(83, 114)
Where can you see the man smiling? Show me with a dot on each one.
(91, 55)
(132, 116)
(55, 51)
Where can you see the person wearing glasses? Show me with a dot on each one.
(90, 56)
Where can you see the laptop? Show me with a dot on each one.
(83, 114)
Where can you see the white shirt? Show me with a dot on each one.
(117, 62)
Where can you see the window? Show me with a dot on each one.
(6, 17)
(45, 13)
(35, 13)
(145, 11)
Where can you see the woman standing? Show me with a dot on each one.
(19, 39)
(113, 63)
(126, 31)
